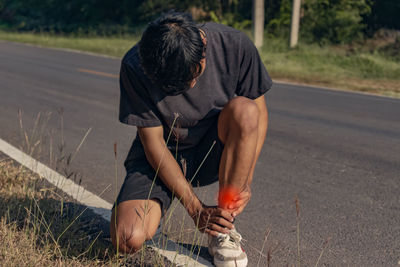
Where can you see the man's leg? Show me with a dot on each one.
(239, 130)
(133, 222)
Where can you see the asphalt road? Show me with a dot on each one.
(339, 152)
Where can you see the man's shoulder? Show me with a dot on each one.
(223, 34)
(131, 68)
(213, 27)
(131, 58)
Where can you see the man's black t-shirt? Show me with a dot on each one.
(233, 68)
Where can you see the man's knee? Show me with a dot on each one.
(245, 114)
(131, 225)
(127, 238)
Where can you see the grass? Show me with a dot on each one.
(40, 226)
(345, 67)
(116, 46)
(33, 218)
(333, 66)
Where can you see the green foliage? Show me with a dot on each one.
(385, 14)
(107, 16)
(280, 24)
(151, 9)
(99, 16)
(231, 19)
(322, 21)
(334, 21)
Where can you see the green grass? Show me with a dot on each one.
(116, 46)
(333, 66)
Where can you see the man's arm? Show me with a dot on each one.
(161, 159)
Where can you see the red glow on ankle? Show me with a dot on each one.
(227, 197)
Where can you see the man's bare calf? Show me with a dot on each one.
(241, 127)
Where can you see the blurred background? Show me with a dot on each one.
(323, 21)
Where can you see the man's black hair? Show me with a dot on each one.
(170, 52)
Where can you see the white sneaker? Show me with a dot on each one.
(226, 250)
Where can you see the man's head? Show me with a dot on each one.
(172, 52)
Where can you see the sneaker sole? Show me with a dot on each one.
(237, 263)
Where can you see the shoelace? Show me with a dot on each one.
(231, 240)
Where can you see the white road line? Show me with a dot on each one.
(334, 89)
(93, 202)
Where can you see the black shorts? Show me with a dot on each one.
(140, 181)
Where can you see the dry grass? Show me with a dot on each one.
(40, 226)
(32, 221)
(19, 249)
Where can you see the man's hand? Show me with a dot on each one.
(241, 201)
(213, 220)
(234, 200)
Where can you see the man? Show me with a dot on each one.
(191, 90)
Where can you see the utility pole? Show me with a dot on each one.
(258, 22)
(294, 30)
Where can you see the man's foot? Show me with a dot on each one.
(226, 250)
